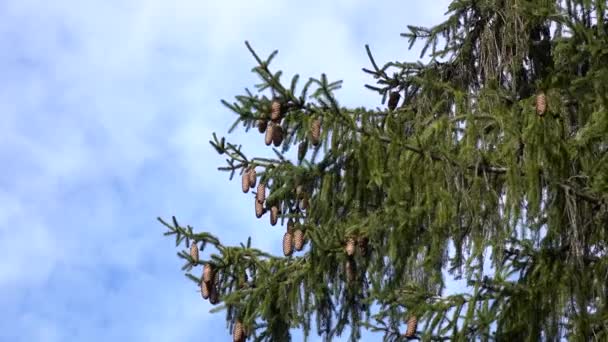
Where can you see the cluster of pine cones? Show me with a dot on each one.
(293, 239)
(274, 132)
(209, 291)
(272, 128)
(208, 283)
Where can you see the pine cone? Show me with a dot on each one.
(205, 290)
(393, 100)
(252, 177)
(277, 135)
(259, 209)
(363, 243)
(288, 244)
(274, 215)
(315, 132)
(350, 269)
(238, 333)
(261, 193)
(302, 148)
(541, 104)
(214, 296)
(298, 239)
(262, 124)
(194, 252)
(245, 182)
(208, 274)
(303, 203)
(269, 134)
(350, 247)
(275, 111)
(412, 325)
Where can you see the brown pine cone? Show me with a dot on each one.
(214, 296)
(288, 244)
(351, 271)
(260, 196)
(299, 191)
(194, 251)
(274, 215)
(205, 290)
(245, 182)
(262, 124)
(302, 148)
(541, 104)
(252, 177)
(269, 134)
(350, 247)
(393, 100)
(208, 274)
(277, 135)
(298, 239)
(315, 132)
(275, 111)
(412, 325)
(259, 209)
(363, 243)
(303, 203)
(238, 333)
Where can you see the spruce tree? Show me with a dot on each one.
(488, 164)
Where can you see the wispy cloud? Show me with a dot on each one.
(106, 108)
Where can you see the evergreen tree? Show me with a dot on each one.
(488, 165)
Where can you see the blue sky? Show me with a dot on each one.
(106, 109)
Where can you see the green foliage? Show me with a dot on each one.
(464, 177)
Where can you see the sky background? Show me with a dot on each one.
(106, 110)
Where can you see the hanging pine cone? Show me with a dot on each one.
(393, 100)
(302, 148)
(288, 244)
(205, 290)
(252, 177)
(208, 274)
(298, 239)
(262, 124)
(275, 111)
(277, 135)
(269, 134)
(363, 243)
(238, 333)
(315, 132)
(194, 252)
(350, 269)
(304, 203)
(350, 247)
(274, 215)
(259, 209)
(245, 182)
(260, 196)
(214, 296)
(412, 325)
(541, 104)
